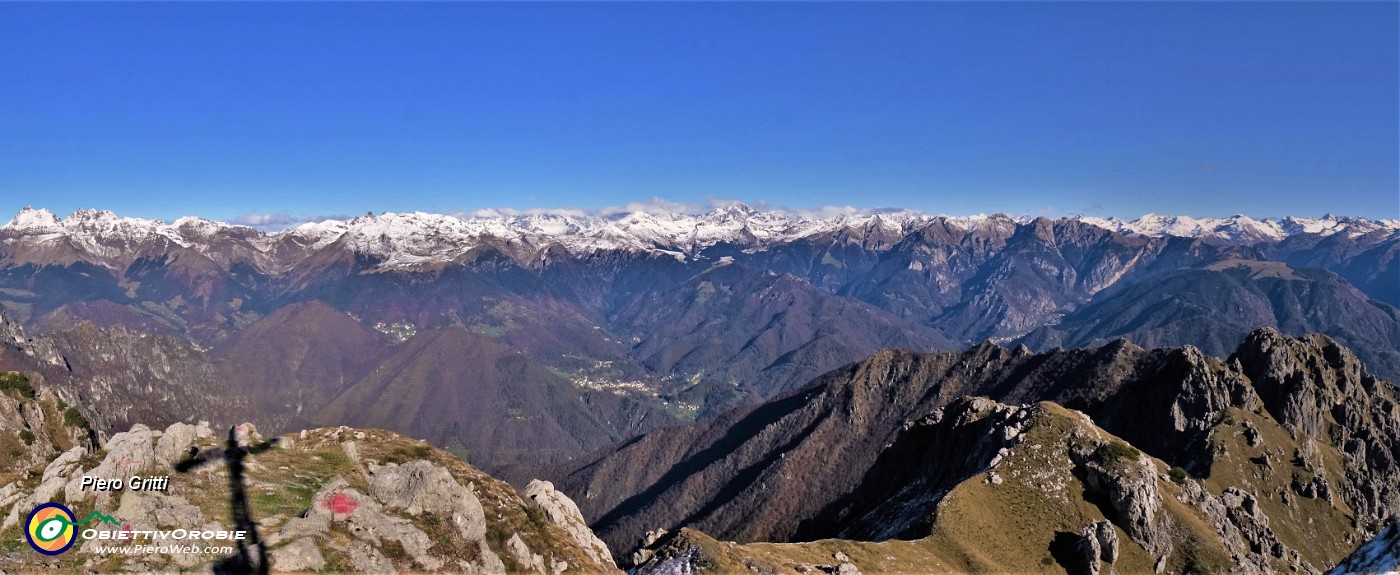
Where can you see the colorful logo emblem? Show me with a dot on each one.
(51, 528)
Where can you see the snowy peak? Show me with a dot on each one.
(39, 220)
(1240, 228)
(108, 225)
(418, 238)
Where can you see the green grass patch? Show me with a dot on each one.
(17, 384)
(1177, 475)
(394, 551)
(406, 453)
(1115, 453)
(12, 448)
(72, 418)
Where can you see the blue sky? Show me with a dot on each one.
(221, 110)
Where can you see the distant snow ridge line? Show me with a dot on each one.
(409, 238)
(1239, 227)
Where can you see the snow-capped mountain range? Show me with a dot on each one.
(413, 238)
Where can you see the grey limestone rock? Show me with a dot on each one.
(299, 555)
(1088, 553)
(1130, 487)
(1108, 540)
(563, 512)
(521, 552)
(55, 477)
(175, 444)
(366, 559)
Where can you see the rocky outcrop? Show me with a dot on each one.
(931, 456)
(1127, 480)
(299, 555)
(1242, 528)
(419, 486)
(1321, 392)
(35, 424)
(56, 474)
(563, 512)
(1097, 547)
(41, 350)
(381, 504)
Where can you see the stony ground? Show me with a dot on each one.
(324, 500)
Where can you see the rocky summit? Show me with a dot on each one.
(321, 500)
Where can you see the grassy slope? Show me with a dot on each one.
(985, 527)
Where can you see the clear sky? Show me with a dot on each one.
(221, 110)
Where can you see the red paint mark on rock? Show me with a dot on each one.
(340, 504)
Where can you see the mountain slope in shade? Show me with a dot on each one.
(462, 390)
(1297, 422)
(469, 393)
(299, 357)
(114, 377)
(1214, 307)
(1368, 261)
(767, 332)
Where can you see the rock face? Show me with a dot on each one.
(334, 499)
(1128, 482)
(35, 424)
(563, 512)
(418, 487)
(299, 555)
(41, 350)
(1107, 539)
(1318, 390)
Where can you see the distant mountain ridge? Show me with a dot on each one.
(409, 239)
(649, 318)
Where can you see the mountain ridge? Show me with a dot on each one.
(1297, 421)
(419, 238)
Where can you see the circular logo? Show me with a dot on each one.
(51, 528)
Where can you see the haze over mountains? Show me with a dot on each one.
(585, 330)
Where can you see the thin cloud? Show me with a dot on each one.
(656, 207)
(267, 222)
(280, 221)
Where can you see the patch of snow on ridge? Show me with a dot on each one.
(1240, 228)
(1380, 555)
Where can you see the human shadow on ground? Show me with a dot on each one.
(252, 553)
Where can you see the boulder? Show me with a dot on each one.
(176, 443)
(299, 555)
(521, 552)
